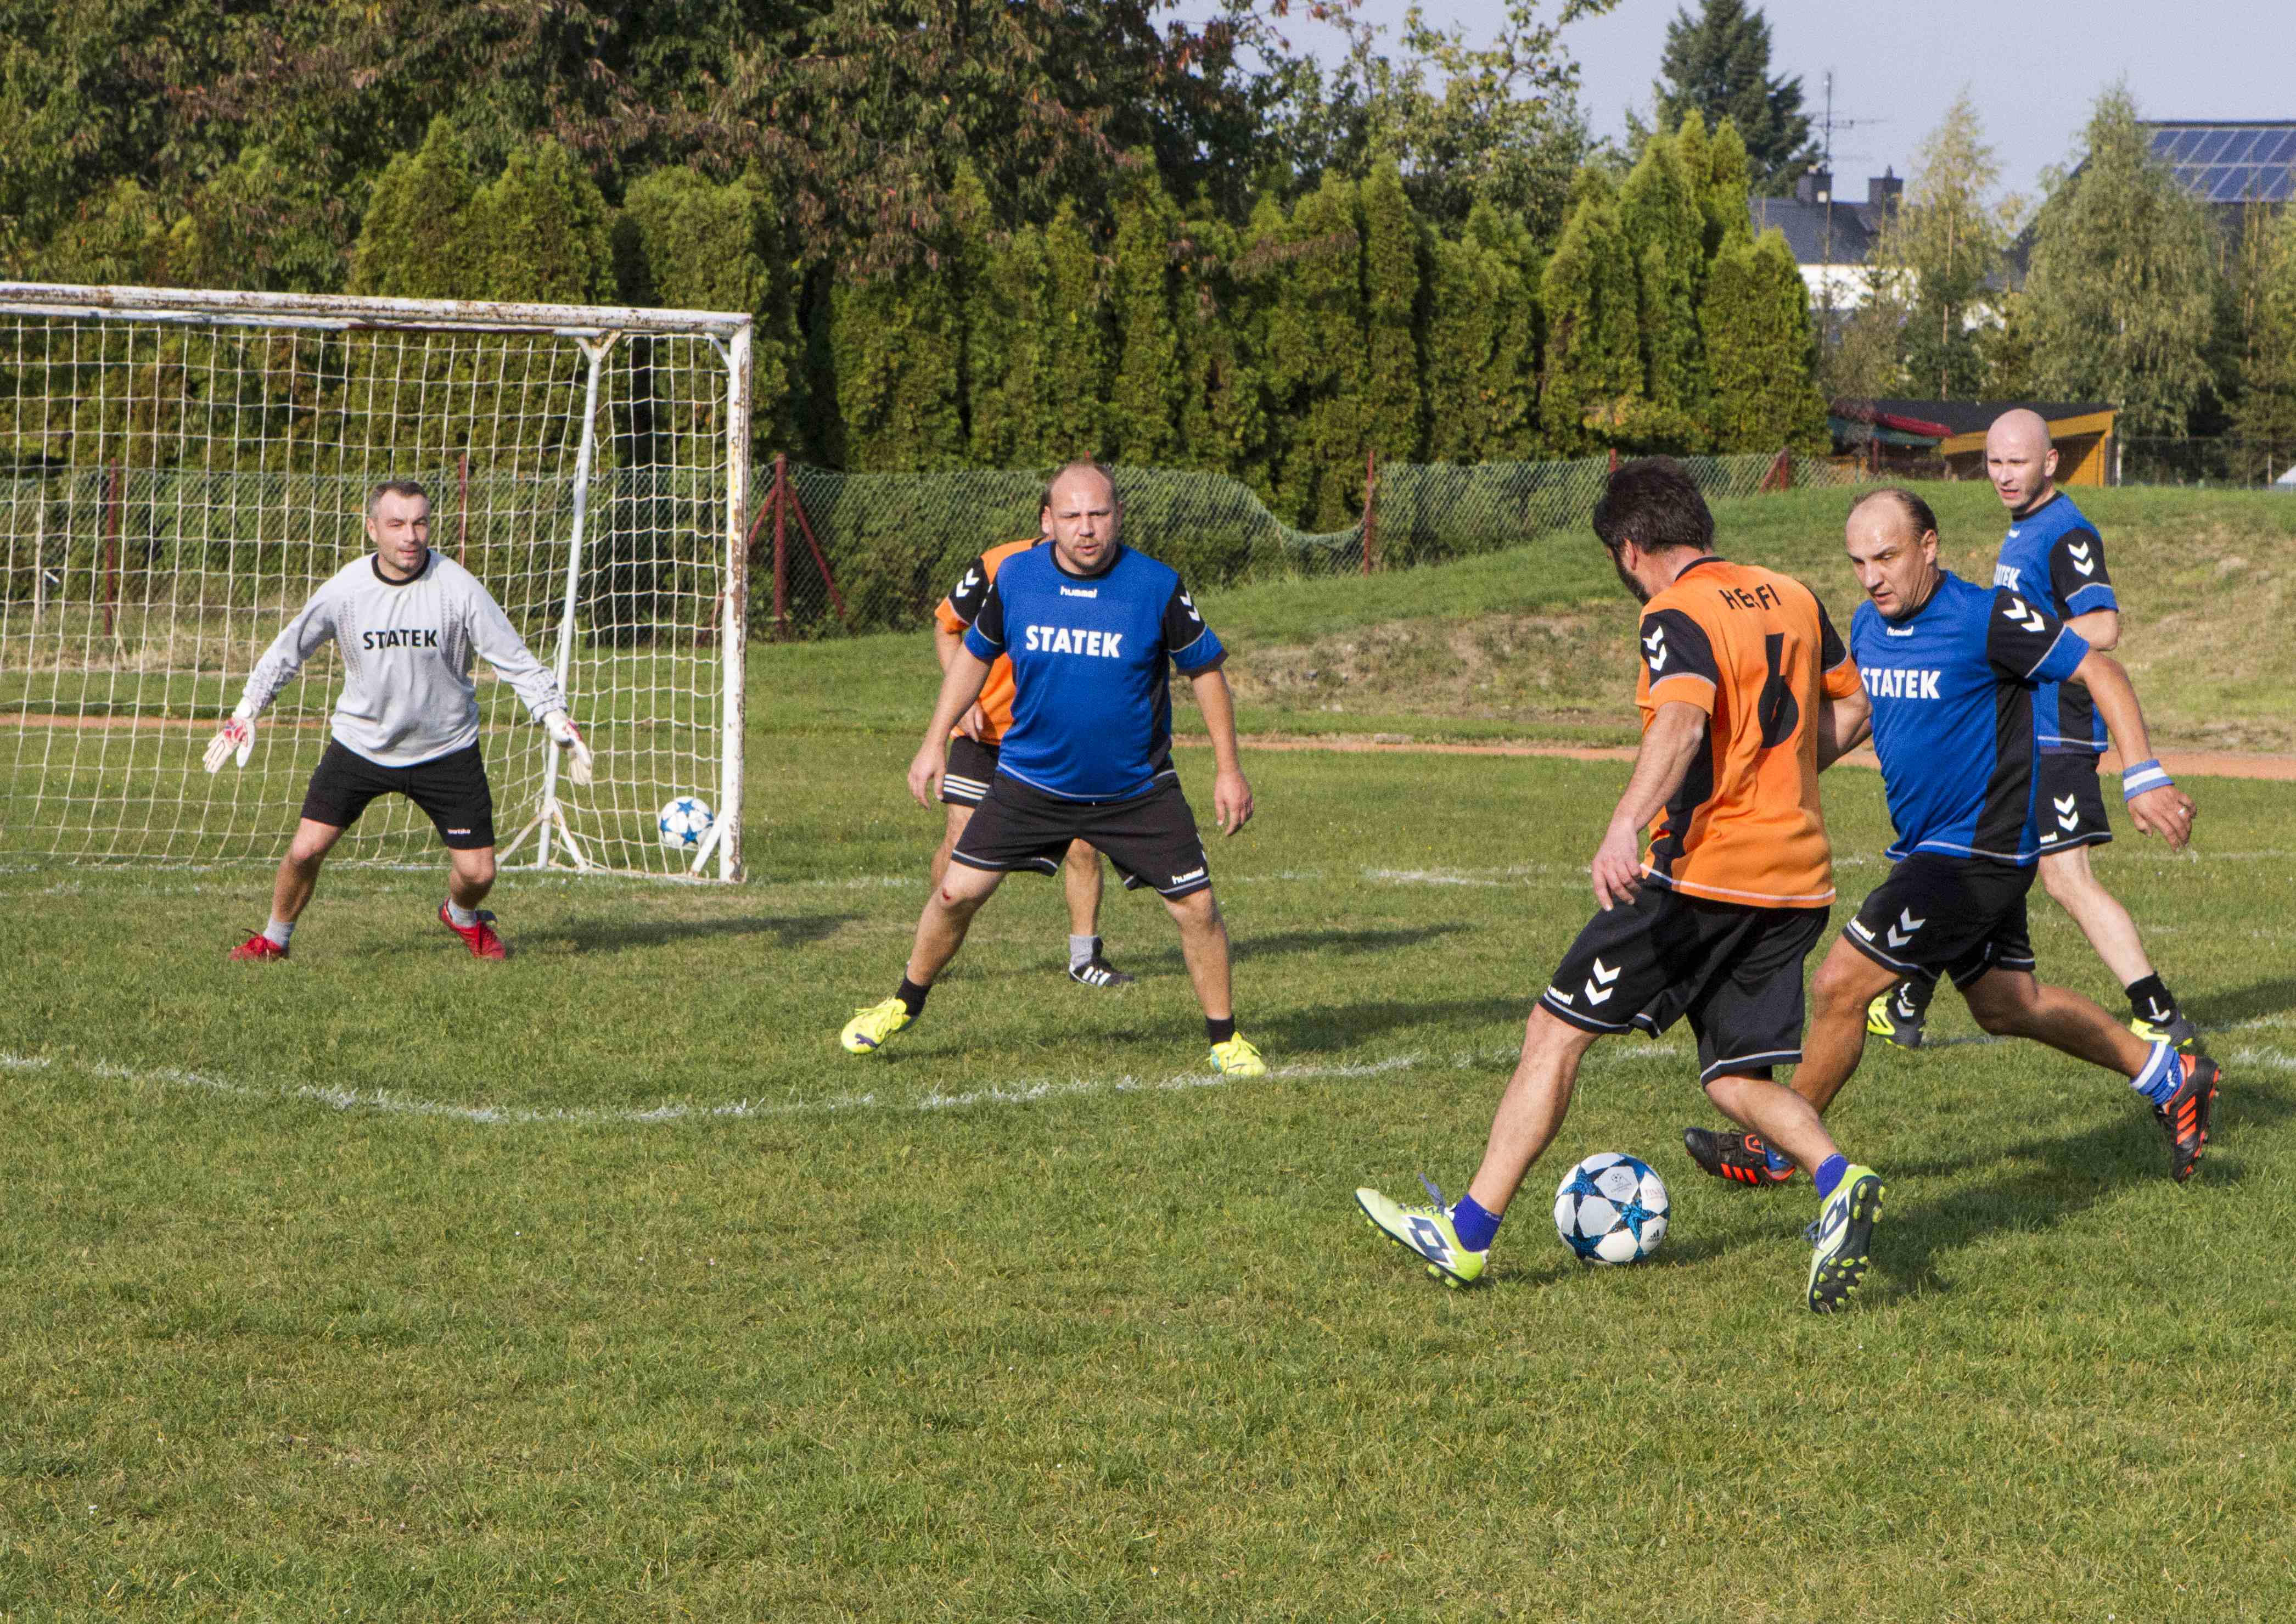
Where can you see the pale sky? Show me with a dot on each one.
(2032, 66)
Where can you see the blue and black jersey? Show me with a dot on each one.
(2052, 556)
(1953, 687)
(1092, 711)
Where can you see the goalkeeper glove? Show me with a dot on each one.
(237, 739)
(566, 737)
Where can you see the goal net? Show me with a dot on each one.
(180, 470)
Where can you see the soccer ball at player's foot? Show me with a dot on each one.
(1611, 1209)
(684, 822)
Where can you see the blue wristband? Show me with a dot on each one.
(2139, 777)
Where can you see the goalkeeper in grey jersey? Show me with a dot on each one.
(407, 622)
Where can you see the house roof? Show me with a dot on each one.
(1939, 420)
(1840, 233)
(2228, 160)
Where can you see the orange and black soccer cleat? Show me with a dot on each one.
(2186, 1117)
(480, 938)
(257, 949)
(1741, 1158)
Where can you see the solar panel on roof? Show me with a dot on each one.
(2170, 145)
(2211, 146)
(2238, 149)
(2276, 146)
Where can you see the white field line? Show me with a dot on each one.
(382, 1102)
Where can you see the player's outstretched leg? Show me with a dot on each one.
(1900, 1015)
(2181, 1088)
(1453, 1239)
(1080, 883)
(1203, 945)
(470, 877)
(290, 890)
(947, 915)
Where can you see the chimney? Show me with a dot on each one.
(1883, 192)
(1815, 186)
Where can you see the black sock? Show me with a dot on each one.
(912, 997)
(2148, 995)
(1220, 1030)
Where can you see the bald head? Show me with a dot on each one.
(2019, 459)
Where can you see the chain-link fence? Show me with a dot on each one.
(875, 552)
(2246, 462)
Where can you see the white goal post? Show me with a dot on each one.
(180, 469)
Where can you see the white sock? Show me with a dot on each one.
(1081, 949)
(460, 916)
(281, 931)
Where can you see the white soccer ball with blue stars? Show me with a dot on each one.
(1611, 1209)
(684, 822)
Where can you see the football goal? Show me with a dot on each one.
(180, 469)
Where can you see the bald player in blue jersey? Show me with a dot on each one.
(1950, 669)
(2054, 556)
(1094, 629)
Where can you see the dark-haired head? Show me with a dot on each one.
(1653, 502)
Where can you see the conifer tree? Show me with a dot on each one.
(417, 240)
(896, 346)
(1079, 345)
(1482, 392)
(1664, 230)
(1006, 328)
(1144, 401)
(1224, 418)
(2265, 422)
(1759, 345)
(1395, 244)
(1723, 191)
(542, 231)
(1591, 306)
(1313, 359)
(1718, 64)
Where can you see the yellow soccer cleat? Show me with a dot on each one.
(867, 1033)
(1237, 1058)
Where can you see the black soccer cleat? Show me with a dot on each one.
(1898, 1015)
(1740, 1158)
(1097, 971)
(2185, 1118)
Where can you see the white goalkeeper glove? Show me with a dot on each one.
(237, 739)
(564, 734)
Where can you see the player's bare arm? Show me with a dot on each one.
(946, 645)
(2100, 628)
(1672, 741)
(1231, 794)
(1842, 726)
(961, 683)
(2164, 810)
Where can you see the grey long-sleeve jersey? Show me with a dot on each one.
(408, 695)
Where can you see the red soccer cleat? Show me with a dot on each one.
(480, 938)
(257, 949)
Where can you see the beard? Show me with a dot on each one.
(1642, 593)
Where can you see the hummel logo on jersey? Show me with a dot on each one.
(1909, 923)
(2013, 532)
(972, 579)
(2029, 619)
(401, 637)
(1859, 925)
(2067, 818)
(1602, 979)
(1898, 682)
(1189, 604)
(1070, 640)
(2079, 553)
(1654, 646)
(1079, 592)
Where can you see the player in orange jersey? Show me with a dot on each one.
(1742, 675)
(972, 750)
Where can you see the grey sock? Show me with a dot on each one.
(460, 916)
(281, 931)
(1082, 950)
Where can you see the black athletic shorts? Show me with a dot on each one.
(2072, 802)
(972, 768)
(453, 790)
(1735, 971)
(1960, 915)
(1151, 838)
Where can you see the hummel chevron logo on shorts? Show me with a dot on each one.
(1603, 978)
(1909, 923)
(2068, 817)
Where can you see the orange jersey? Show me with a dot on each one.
(1754, 649)
(957, 610)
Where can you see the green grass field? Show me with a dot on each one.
(598, 1286)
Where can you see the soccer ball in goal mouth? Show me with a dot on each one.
(1611, 1209)
(684, 822)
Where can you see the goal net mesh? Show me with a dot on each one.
(175, 485)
